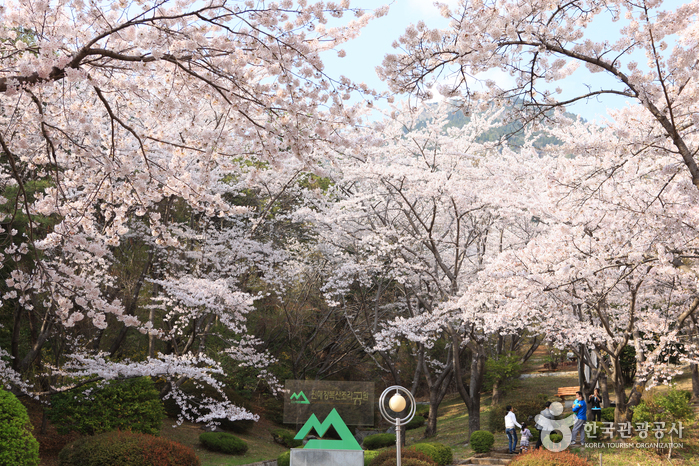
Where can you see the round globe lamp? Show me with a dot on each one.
(397, 403)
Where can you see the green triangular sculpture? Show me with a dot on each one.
(347, 442)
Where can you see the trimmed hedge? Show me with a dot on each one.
(376, 441)
(415, 423)
(482, 441)
(132, 404)
(437, 452)
(223, 442)
(426, 449)
(543, 457)
(18, 447)
(407, 458)
(285, 438)
(126, 449)
(444, 454)
(284, 459)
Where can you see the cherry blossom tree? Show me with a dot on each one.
(146, 123)
(615, 264)
(419, 210)
(539, 44)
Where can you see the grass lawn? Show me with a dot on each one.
(259, 440)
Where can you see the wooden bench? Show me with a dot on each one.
(563, 392)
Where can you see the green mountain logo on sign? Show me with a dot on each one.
(347, 442)
(295, 398)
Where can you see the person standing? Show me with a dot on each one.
(595, 401)
(510, 424)
(526, 435)
(545, 413)
(580, 411)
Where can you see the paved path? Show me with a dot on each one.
(549, 374)
(491, 458)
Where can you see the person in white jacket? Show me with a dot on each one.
(510, 423)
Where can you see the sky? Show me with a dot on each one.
(367, 51)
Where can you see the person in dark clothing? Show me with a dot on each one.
(546, 412)
(595, 401)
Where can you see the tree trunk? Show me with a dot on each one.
(418, 370)
(496, 393)
(151, 336)
(436, 397)
(471, 394)
(624, 405)
(604, 390)
(476, 383)
(695, 383)
(14, 345)
(132, 306)
(437, 388)
(694, 332)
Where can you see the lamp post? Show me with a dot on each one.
(397, 404)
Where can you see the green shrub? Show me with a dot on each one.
(444, 454)
(437, 452)
(407, 457)
(223, 442)
(376, 441)
(482, 441)
(670, 407)
(426, 449)
(369, 456)
(18, 447)
(544, 457)
(132, 404)
(286, 438)
(607, 414)
(415, 423)
(556, 438)
(126, 449)
(422, 410)
(525, 410)
(284, 459)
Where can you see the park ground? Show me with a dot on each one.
(452, 431)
